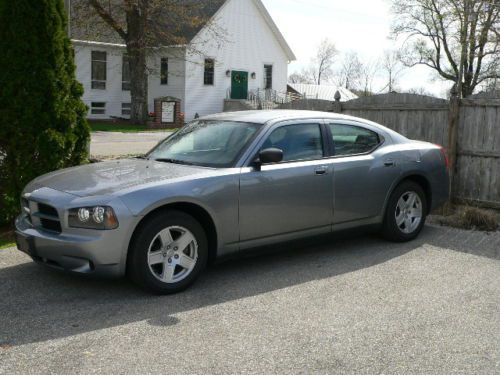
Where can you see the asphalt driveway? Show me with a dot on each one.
(356, 305)
(113, 144)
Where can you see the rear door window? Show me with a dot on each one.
(352, 140)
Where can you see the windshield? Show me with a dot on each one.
(209, 143)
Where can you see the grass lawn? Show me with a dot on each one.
(6, 238)
(122, 127)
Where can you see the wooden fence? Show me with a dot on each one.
(477, 177)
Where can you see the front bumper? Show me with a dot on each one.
(78, 254)
(82, 251)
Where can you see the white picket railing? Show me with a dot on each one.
(266, 98)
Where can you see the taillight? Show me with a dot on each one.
(445, 156)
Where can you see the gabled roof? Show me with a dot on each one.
(86, 25)
(281, 40)
(325, 92)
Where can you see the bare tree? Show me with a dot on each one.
(349, 74)
(490, 85)
(459, 39)
(321, 65)
(369, 71)
(300, 77)
(143, 26)
(391, 68)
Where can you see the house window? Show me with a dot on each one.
(208, 76)
(99, 67)
(125, 73)
(164, 71)
(126, 109)
(98, 108)
(268, 77)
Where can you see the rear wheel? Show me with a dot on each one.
(406, 212)
(168, 252)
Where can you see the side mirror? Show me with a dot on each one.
(268, 156)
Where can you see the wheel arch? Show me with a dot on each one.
(419, 179)
(198, 212)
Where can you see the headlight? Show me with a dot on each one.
(98, 217)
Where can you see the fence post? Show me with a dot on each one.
(453, 119)
(337, 107)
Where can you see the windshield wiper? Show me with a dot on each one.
(174, 161)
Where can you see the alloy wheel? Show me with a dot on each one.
(408, 212)
(172, 254)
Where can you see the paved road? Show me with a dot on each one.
(347, 306)
(112, 144)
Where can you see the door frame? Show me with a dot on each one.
(326, 160)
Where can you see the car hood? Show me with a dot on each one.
(110, 177)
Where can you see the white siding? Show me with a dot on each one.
(249, 44)
(176, 81)
(113, 95)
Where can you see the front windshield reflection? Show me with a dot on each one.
(210, 143)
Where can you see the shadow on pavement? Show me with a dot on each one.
(38, 304)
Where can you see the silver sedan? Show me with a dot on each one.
(226, 183)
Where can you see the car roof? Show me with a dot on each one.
(264, 116)
(276, 115)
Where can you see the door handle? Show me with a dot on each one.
(389, 163)
(321, 170)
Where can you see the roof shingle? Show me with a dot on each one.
(178, 25)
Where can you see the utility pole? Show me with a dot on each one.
(453, 119)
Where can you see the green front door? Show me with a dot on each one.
(239, 85)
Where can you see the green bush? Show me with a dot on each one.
(42, 117)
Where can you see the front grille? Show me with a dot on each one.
(47, 210)
(44, 216)
(52, 225)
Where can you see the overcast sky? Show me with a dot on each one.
(359, 25)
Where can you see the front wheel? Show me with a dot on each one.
(168, 252)
(406, 212)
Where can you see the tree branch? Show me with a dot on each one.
(444, 37)
(108, 18)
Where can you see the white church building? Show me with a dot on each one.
(251, 55)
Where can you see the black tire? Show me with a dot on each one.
(390, 230)
(138, 268)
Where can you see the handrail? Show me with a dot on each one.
(266, 98)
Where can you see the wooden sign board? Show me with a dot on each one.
(168, 112)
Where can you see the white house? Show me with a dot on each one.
(252, 54)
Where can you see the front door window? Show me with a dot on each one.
(298, 142)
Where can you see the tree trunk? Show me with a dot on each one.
(138, 86)
(137, 52)
(467, 90)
